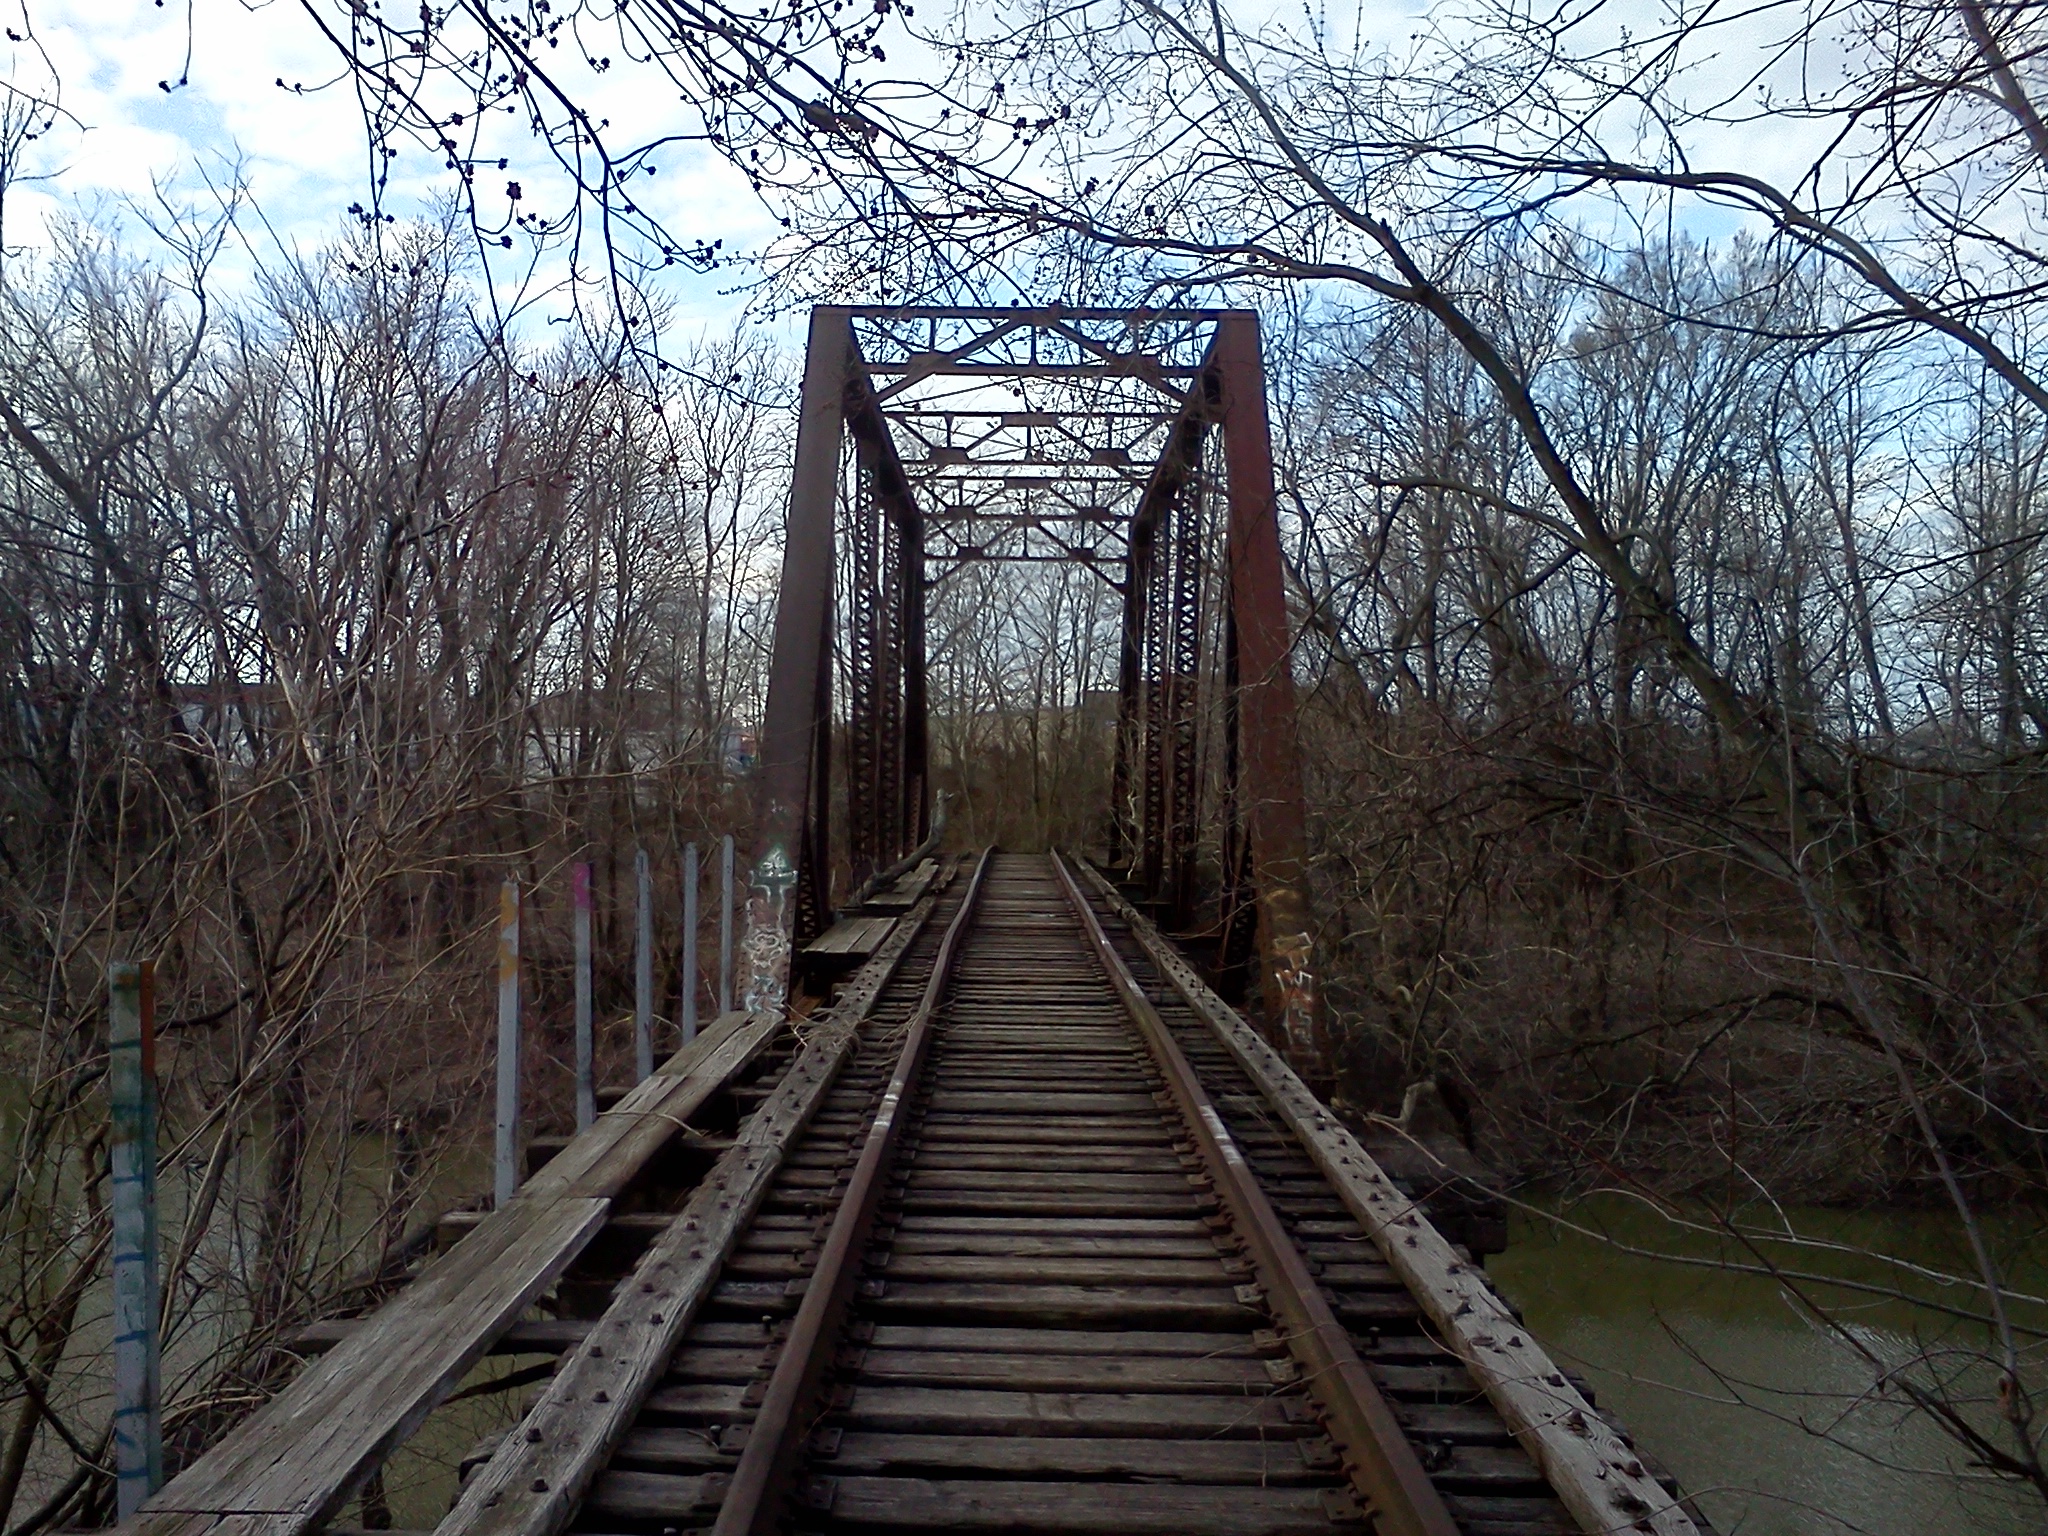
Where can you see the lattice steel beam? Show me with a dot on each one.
(1075, 436)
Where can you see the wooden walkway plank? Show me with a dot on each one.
(1597, 1476)
(530, 1336)
(539, 1476)
(605, 1158)
(852, 937)
(292, 1464)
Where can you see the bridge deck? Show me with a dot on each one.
(1103, 1266)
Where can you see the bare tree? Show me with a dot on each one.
(319, 611)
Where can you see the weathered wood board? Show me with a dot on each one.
(906, 892)
(290, 1466)
(539, 1476)
(851, 939)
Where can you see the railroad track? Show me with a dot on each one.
(1043, 1260)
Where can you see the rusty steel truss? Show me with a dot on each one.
(1133, 443)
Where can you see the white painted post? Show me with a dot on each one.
(507, 1148)
(643, 971)
(689, 981)
(586, 1070)
(138, 1367)
(725, 925)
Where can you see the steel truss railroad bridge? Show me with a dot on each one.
(1018, 1225)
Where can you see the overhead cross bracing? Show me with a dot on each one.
(1031, 435)
(1131, 443)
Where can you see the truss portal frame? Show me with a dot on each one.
(1134, 443)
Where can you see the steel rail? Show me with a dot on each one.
(775, 1441)
(1378, 1458)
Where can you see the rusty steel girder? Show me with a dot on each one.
(1131, 443)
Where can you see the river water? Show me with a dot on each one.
(1767, 1413)
(1770, 1415)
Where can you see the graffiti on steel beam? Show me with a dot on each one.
(764, 952)
(1294, 987)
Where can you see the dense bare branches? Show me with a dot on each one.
(316, 616)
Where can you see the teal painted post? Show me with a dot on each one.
(138, 1366)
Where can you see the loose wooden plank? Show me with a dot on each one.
(535, 1481)
(1594, 1472)
(290, 1466)
(908, 890)
(1079, 1509)
(608, 1156)
(297, 1459)
(852, 938)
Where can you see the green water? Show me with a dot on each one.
(1768, 1408)
(343, 1211)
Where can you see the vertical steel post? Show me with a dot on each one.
(688, 982)
(586, 1046)
(917, 774)
(643, 969)
(725, 924)
(888, 788)
(506, 1148)
(1271, 764)
(866, 639)
(1123, 824)
(792, 731)
(138, 1370)
(1148, 550)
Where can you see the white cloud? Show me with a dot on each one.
(302, 155)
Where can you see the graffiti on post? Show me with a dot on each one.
(764, 952)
